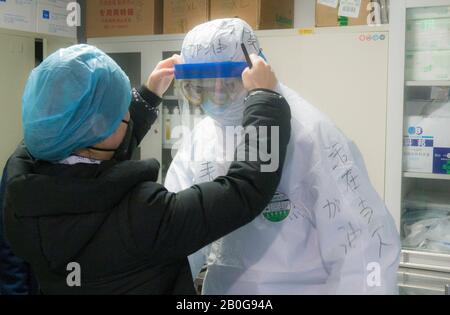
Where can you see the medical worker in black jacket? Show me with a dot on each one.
(77, 205)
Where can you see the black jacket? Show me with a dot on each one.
(16, 277)
(129, 234)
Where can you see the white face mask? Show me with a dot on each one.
(221, 99)
(230, 114)
(213, 109)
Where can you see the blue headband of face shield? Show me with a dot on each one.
(212, 70)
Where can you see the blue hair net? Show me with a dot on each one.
(76, 98)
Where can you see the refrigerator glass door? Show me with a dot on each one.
(425, 217)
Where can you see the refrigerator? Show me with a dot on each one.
(418, 148)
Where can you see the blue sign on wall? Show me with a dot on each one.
(45, 14)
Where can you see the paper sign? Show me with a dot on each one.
(56, 3)
(52, 19)
(329, 3)
(306, 31)
(18, 14)
(350, 8)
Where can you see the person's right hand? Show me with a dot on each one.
(160, 79)
(260, 76)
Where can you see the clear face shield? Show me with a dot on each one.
(220, 91)
(210, 89)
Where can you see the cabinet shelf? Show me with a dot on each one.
(426, 176)
(424, 260)
(427, 83)
(167, 146)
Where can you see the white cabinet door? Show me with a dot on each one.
(422, 282)
(343, 72)
(16, 62)
(52, 44)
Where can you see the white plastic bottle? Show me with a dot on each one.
(198, 116)
(167, 125)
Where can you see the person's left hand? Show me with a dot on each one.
(160, 79)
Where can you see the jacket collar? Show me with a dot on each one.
(37, 189)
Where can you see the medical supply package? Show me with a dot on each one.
(428, 34)
(428, 65)
(426, 139)
(426, 220)
(18, 15)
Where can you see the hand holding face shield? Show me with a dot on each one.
(158, 82)
(162, 76)
(220, 88)
(259, 76)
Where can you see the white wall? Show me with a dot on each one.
(17, 59)
(16, 62)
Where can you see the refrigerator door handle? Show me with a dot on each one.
(447, 289)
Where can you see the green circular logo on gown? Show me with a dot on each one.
(278, 209)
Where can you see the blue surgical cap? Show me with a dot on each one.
(76, 98)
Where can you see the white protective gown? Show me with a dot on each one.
(326, 231)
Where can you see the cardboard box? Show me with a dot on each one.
(429, 34)
(107, 18)
(56, 3)
(180, 16)
(259, 14)
(427, 145)
(52, 18)
(18, 15)
(341, 13)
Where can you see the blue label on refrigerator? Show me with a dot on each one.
(441, 161)
(409, 142)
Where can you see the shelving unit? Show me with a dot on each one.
(416, 184)
(427, 83)
(421, 260)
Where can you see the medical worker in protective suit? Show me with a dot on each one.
(89, 220)
(326, 231)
